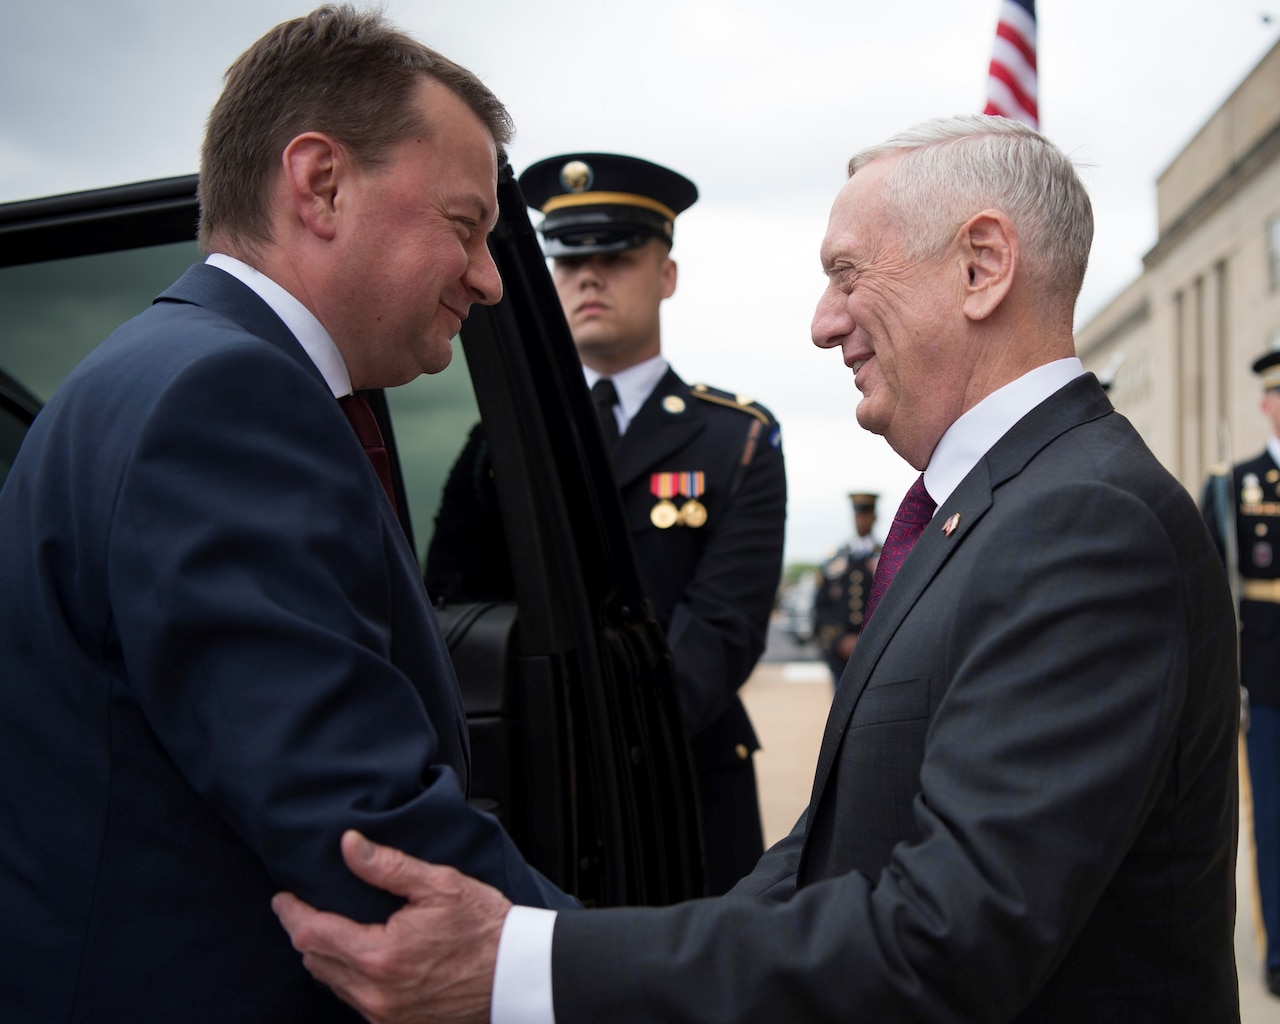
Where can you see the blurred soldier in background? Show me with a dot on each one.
(1242, 507)
(840, 603)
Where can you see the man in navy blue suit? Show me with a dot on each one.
(218, 652)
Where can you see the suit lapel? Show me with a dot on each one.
(211, 288)
(1078, 402)
(667, 422)
(930, 553)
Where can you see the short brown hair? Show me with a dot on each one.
(337, 70)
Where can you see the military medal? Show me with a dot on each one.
(663, 515)
(691, 484)
(693, 513)
(1250, 490)
(665, 486)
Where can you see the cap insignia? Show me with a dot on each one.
(577, 176)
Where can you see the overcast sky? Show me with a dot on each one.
(759, 103)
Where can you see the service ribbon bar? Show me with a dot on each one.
(693, 483)
(664, 485)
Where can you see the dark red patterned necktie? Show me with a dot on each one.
(913, 516)
(365, 424)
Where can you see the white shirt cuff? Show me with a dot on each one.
(522, 975)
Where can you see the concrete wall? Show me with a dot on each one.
(1208, 302)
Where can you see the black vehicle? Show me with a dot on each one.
(576, 738)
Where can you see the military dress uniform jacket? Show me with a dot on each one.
(704, 488)
(840, 604)
(1253, 506)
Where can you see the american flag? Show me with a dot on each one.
(1011, 79)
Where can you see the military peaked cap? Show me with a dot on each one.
(604, 202)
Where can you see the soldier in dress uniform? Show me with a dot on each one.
(700, 469)
(1242, 508)
(839, 606)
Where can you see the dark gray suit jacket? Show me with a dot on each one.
(1024, 808)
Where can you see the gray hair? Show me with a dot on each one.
(955, 167)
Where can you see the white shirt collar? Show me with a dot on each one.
(1273, 448)
(975, 433)
(310, 333)
(634, 384)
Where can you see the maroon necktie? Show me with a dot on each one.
(365, 425)
(913, 516)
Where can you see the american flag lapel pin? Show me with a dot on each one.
(949, 527)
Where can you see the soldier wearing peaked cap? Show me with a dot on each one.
(841, 601)
(1242, 507)
(700, 470)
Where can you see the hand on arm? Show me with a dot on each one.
(433, 961)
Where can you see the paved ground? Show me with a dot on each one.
(788, 697)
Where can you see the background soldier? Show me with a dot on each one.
(839, 605)
(700, 470)
(1243, 512)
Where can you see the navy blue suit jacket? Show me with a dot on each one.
(217, 654)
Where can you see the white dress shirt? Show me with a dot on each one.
(975, 433)
(522, 975)
(634, 385)
(310, 333)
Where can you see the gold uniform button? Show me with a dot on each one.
(673, 404)
(742, 751)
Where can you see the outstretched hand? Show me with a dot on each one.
(433, 960)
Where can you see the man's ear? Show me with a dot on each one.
(312, 164)
(989, 253)
(668, 278)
